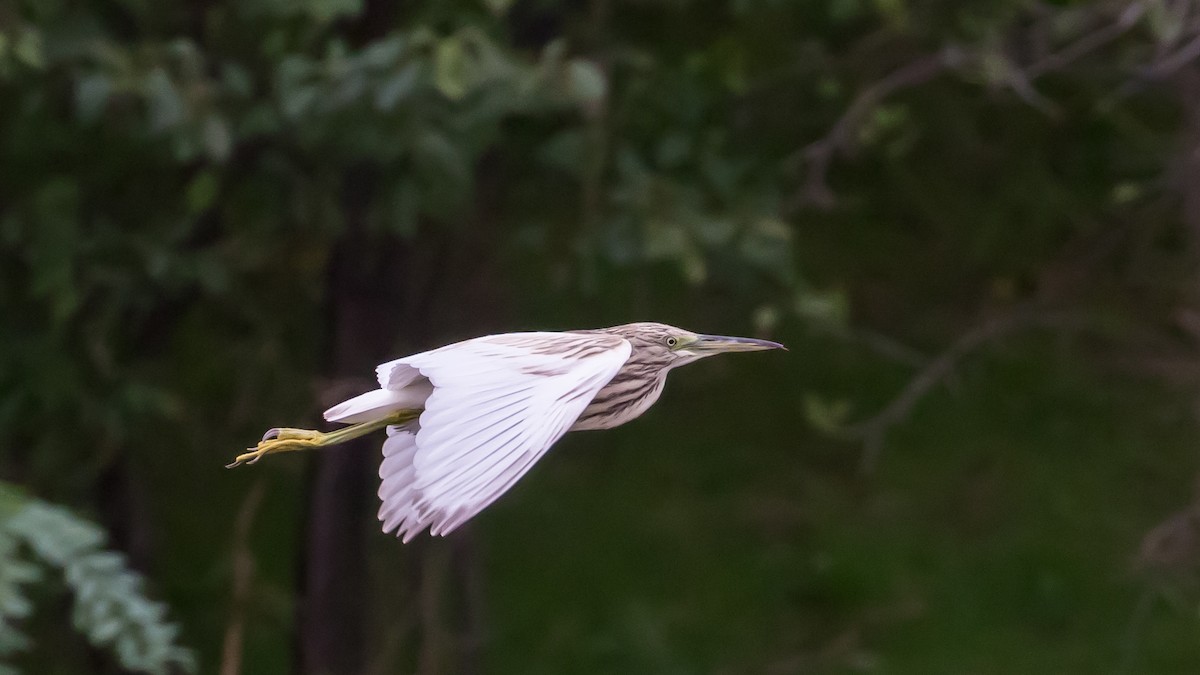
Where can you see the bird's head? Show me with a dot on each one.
(668, 346)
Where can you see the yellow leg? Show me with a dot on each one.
(286, 434)
(290, 440)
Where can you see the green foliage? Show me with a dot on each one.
(108, 605)
(179, 180)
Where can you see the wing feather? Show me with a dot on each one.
(498, 404)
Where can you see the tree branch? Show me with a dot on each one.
(1167, 65)
(243, 577)
(817, 156)
(1087, 44)
(881, 345)
(872, 430)
(841, 137)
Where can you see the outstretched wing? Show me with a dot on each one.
(498, 403)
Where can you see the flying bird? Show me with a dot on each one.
(466, 421)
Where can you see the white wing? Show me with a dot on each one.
(498, 403)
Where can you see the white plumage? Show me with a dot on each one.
(492, 407)
(469, 419)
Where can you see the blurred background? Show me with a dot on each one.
(976, 225)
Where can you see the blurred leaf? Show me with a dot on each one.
(328, 10)
(299, 101)
(829, 88)
(829, 307)
(765, 319)
(91, 96)
(586, 83)
(237, 80)
(218, 139)
(552, 56)
(28, 48)
(715, 231)
(397, 87)
(767, 244)
(695, 267)
(451, 68)
(498, 7)
(995, 67)
(1126, 192)
(109, 606)
(201, 191)
(664, 239)
(165, 105)
(1165, 21)
(828, 417)
(884, 120)
(383, 53)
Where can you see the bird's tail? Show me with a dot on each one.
(377, 404)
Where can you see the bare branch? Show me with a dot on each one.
(1170, 63)
(1088, 43)
(872, 431)
(243, 577)
(882, 345)
(1021, 85)
(841, 137)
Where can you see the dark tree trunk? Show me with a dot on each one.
(333, 570)
(437, 287)
(121, 503)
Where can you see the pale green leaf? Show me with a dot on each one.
(397, 87)
(498, 7)
(383, 53)
(218, 139)
(824, 415)
(299, 101)
(28, 48)
(822, 306)
(586, 82)
(451, 68)
(166, 107)
(91, 96)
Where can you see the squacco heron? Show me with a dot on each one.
(466, 421)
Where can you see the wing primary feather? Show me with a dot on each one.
(498, 403)
(436, 463)
(483, 469)
(449, 483)
(462, 433)
(462, 429)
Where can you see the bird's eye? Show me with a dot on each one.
(671, 342)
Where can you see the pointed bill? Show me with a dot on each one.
(717, 344)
